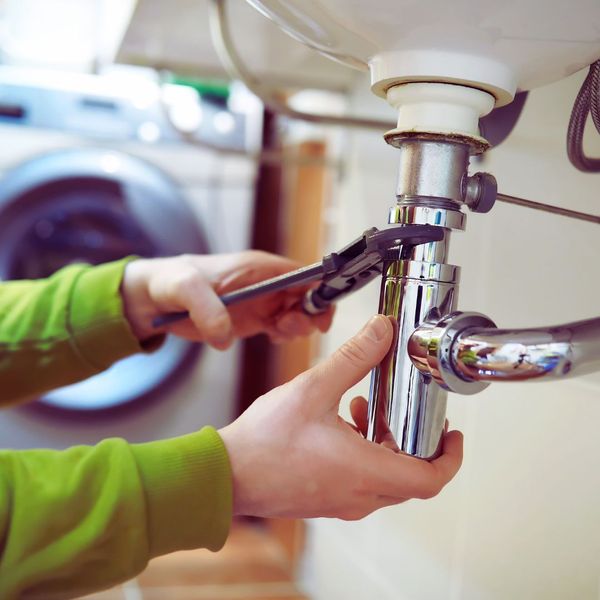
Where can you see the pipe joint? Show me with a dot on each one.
(430, 348)
(463, 352)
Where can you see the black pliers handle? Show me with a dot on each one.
(340, 273)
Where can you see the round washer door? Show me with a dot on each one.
(93, 205)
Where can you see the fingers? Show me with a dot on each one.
(292, 317)
(323, 320)
(296, 323)
(207, 312)
(449, 463)
(194, 283)
(277, 314)
(358, 411)
(353, 360)
(403, 476)
(252, 266)
(366, 508)
(382, 433)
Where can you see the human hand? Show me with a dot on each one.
(153, 287)
(292, 455)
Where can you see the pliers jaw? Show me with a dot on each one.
(361, 261)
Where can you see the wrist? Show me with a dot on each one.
(95, 318)
(187, 484)
(138, 307)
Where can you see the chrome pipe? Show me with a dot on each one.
(407, 409)
(430, 349)
(464, 352)
(432, 172)
(483, 354)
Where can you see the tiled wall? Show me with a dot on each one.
(522, 519)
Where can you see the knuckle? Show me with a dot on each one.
(252, 256)
(217, 320)
(185, 261)
(352, 352)
(429, 491)
(185, 281)
(306, 381)
(354, 514)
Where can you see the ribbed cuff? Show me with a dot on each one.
(188, 486)
(95, 319)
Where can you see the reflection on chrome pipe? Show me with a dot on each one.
(516, 355)
(407, 408)
(463, 352)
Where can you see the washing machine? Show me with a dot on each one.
(90, 174)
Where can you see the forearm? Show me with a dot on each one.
(87, 518)
(60, 330)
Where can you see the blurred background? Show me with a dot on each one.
(122, 134)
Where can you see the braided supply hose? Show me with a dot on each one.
(586, 103)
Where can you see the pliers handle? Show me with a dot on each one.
(340, 273)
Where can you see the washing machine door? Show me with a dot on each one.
(94, 205)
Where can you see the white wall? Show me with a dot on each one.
(522, 519)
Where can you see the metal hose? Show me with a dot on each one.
(586, 103)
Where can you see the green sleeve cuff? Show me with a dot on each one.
(95, 318)
(188, 487)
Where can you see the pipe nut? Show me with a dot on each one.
(480, 191)
(430, 349)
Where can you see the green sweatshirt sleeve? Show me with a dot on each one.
(86, 518)
(83, 519)
(62, 329)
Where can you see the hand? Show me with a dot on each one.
(293, 456)
(152, 287)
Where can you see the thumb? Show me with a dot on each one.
(354, 359)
